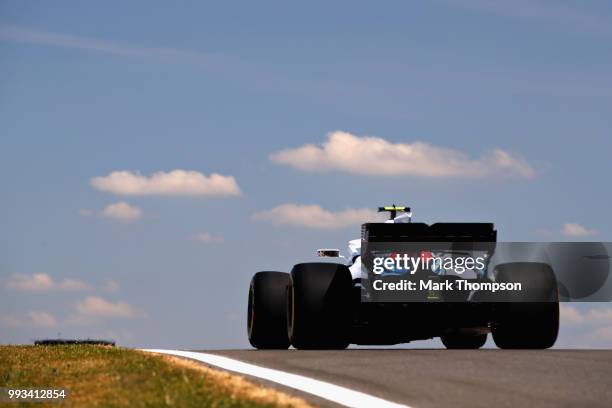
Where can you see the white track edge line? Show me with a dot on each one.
(331, 392)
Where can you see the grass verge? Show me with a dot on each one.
(100, 376)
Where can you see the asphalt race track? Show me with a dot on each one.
(453, 378)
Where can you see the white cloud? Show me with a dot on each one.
(588, 327)
(42, 282)
(77, 319)
(313, 216)
(94, 306)
(376, 156)
(572, 229)
(121, 211)
(111, 286)
(208, 238)
(601, 316)
(570, 315)
(173, 183)
(42, 319)
(34, 319)
(595, 316)
(603, 334)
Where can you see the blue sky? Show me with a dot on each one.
(239, 89)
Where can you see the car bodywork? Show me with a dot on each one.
(400, 322)
(333, 302)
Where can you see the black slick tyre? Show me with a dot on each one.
(319, 312)
(267, 310)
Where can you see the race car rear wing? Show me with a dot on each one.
(394, 209)
(421, 232)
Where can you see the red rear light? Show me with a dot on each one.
(426, 255)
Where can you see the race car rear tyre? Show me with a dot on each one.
(531, 322)
(319, 313)
(267, 310)
(463, 341)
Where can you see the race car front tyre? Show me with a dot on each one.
(463, 341)
(267, 310)
(530, 322)
(318, 303)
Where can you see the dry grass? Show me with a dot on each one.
(240, 387)
(99, 376)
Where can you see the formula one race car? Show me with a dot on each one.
(338, 300)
